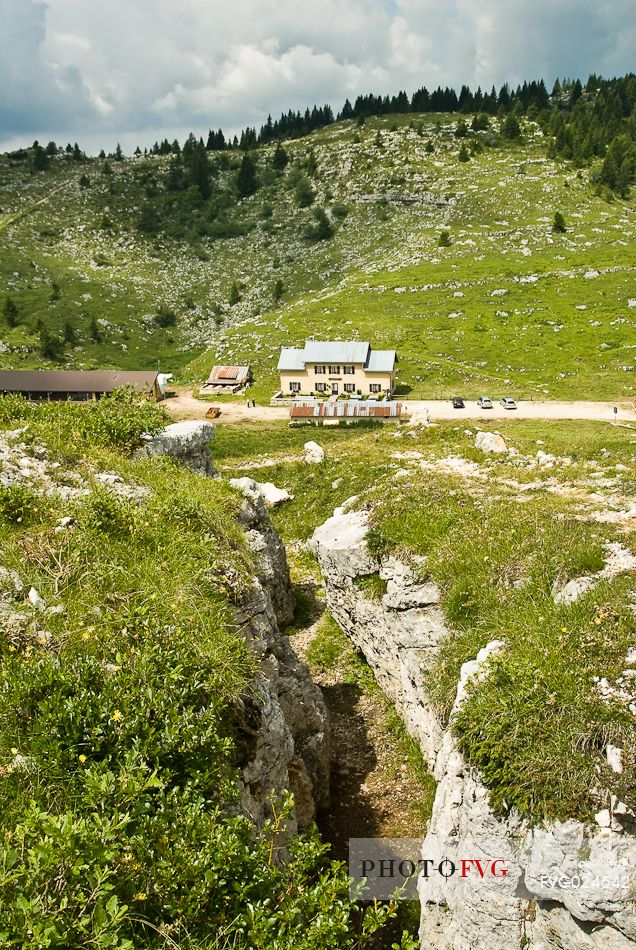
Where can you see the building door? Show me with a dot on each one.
(334, 389)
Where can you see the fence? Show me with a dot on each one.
(344, 409)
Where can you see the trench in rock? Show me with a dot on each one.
(378, 787)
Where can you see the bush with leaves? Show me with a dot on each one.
(117, 421)
(120, 735)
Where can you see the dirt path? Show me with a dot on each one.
(373, 788)
(184, 406)
(11, 219)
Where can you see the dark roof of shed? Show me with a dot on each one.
(74, 381)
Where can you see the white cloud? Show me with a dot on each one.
(129, 68)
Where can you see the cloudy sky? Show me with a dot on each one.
(133, 70)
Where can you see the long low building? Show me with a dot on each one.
(77, 384)
(335, 368)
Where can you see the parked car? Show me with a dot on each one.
(508, 403)
(484, 402)
(458, 402)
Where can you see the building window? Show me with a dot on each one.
(294, 387)
(349, 387)
(334, 389)
(319, 370)
(375, 388)
(348, 370)
(321, 387)
(334, 371)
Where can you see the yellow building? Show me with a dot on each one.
(335, 368)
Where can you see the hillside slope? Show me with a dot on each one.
(508, 304)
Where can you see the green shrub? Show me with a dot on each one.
(372, 586)
(19, 504)
(165, 317)
(118, 420)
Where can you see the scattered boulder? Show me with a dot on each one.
(188, 442)
(314, 454)
(270, 494)
(490, 442)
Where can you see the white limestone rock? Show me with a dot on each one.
(36, 600)
(574, 589)
(188, 442)
(490, 442)
(270, 494)
(614, 757)
(314, 453)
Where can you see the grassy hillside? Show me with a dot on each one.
(509, 304)
(120, 690)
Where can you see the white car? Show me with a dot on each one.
(484, 402)
(508, 403)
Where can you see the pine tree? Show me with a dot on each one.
(278, 289)
(196, 165)
(511, 128)
(94, 331)
(40, 161)
(280, 158)
(69, 334)
(304, 193)
(11, 312)
(149, 221)
(444, 239)
(234, 295)
(463, 154)
(480, 122)
(558, 225)
(461, 129)
(246, 179)
(119, 155)
(576, 93)
(50, 346)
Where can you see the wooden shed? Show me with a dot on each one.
(77, 384)
(226, 379)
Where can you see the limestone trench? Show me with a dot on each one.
(286, 738)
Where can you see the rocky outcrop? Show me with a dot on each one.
(286, 719)
(187, 442)
(567, 885)
(269, 492)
